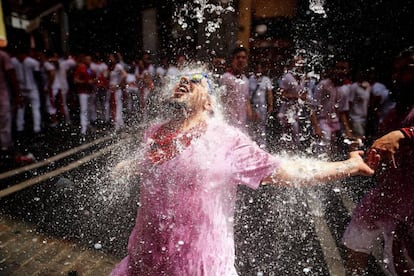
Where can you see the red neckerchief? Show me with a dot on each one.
(167, 143)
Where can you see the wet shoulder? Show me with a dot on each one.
(224, 134)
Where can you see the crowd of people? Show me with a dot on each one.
(298, 111)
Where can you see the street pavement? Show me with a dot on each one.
(26, 251)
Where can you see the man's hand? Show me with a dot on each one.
(387, 145)
(355, 158)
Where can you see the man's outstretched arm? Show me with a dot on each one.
(308, 172)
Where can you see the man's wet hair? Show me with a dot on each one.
(238, 50)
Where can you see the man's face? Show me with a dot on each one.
(180, 60)
(258, 70)
(191, 94)
(146, 58)
(342, 70)
(239, 61)
(88, 60)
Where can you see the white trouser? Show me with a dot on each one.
(59, 96)
(102, 104)
(119, 120)
(85, 104)
(32, 97)
(92, 107)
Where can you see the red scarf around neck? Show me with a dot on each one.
(168, 142)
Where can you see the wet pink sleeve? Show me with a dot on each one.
(250, 164)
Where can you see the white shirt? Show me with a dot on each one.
(99, 68)
(358, 99)
(380, 90)
(61, 74)
(116, 75)
(161, 72)
(290, 84)
(46, 68)
(234, 99)
(24, 72)
(258, 90)
(343, 97)
(172, 71)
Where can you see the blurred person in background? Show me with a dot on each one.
(236, 104)
(359, 95)
(100, 68)
(117, 78)
(27, 68)
(85, 78)
(8, 81)
(261, 95)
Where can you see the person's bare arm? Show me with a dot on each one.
(307, 172)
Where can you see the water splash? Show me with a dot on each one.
(203, 11)
(317, 6)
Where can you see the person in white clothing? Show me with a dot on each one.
(51, 86)
(148, 66)
(56, 101)
(132, 94)
(261, 95)
(175, 69)
(326, 101)
(25, 67)
(117, 77)
(359, 96)
(237, 108)
(65, 64)
(101, 89)
(161, 70)
(145, 86)
(7, 75)
(291, 86)
(84, 79)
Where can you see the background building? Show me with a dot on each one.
(368, 32)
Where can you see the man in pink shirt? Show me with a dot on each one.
(190, 169)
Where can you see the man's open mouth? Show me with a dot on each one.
(181, 90)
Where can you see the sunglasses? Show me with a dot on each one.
(196, 78)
